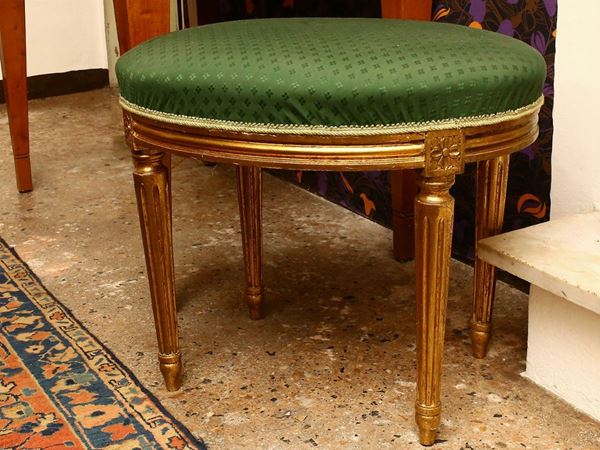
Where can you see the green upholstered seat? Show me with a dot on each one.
(331, 75)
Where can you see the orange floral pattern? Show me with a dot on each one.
(59, 387)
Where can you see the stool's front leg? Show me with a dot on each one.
(434, 212)
(250, 201)
(492, 179)
(153, 191)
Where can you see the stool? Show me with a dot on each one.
(333, 94)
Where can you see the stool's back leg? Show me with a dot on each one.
(403, 189)
(250, 200)
(492, 178)
(12, 53)
(434, 212)
(153, 191)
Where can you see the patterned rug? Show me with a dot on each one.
(62, 389)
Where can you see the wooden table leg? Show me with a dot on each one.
(250, 199)
(139, 20)
(492, 180)
(434, 212)
(153, 191)
(14, 73)
(406, 9)
(403, 183)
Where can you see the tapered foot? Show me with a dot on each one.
(492, 179)
(172, 371)
(250, 199)
(480, 338)
(428, 421)
(427, 437)
(23, 171)
(254, 298)
(14, 71)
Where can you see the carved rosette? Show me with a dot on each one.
(444, 153)
(128, 128)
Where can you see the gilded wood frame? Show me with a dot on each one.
(438, 155)
(315, 152)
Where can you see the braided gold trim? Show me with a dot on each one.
(322, 130)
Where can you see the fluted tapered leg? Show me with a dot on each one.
(492, 177)
(250, 199)
(153, 191)
(434, 212)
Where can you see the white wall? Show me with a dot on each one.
(564, 335)
(576, 150)
(112, 40)
(64, 35)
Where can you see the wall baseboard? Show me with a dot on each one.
(53, 84)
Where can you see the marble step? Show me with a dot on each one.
(561, 256)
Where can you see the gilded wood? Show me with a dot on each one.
(492, 179)
(309, 152)
(434, 211)
(439, 155)
(153, 191)
(250, 202)
(444, 153)
(14, 71)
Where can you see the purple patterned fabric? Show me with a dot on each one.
(477, 10)
(368, 193)
(506, 28)
(528, 199)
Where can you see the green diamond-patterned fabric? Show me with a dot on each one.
(331, 72)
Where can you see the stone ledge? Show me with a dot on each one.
(561, 256)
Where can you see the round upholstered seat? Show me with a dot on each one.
(333, 94)
(320, 76)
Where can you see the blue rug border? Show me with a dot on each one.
(182, 428)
